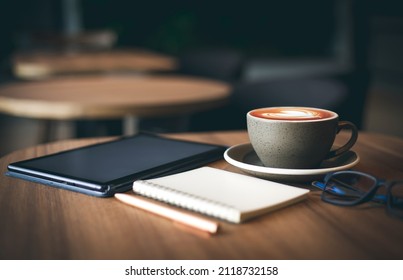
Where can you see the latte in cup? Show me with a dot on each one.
(292, 113)
(296, 137)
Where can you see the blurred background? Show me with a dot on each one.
(352, 48)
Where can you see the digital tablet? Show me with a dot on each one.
(106, 168)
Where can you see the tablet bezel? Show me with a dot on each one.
(119, 184)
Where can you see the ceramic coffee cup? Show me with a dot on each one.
(296, 137)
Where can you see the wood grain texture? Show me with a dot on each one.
(111, 96)
(40, 222)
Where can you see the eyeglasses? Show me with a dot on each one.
(350, 188)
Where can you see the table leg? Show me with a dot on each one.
(52, 130)
(45, 131)
(130, 125)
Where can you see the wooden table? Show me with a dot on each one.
(41, 64)
(111, 96)
(40, 222)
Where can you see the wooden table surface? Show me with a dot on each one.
(111, 96)
(41, 222)
(41, 64)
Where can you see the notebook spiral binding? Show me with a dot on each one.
(186, 201)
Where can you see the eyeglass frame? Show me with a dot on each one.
(367, 196)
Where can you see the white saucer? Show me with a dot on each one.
(244, 157)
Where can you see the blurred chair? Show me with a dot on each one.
(219, 63)
(313, 92)
(211, 63)
(222, 64)
(309, 92)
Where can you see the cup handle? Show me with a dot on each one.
(346, 147)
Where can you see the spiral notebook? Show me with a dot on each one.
(222, 194)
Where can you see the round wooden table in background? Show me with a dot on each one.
(41, 64)
(111, 96)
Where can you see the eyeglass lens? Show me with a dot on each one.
(348, 188)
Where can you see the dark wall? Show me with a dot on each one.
(267, 27)
(290, 27)
(280, 27)
(18, 17)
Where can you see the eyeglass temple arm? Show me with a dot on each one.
(335, 190)
(318, 184)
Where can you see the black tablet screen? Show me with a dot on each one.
(109, 161)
